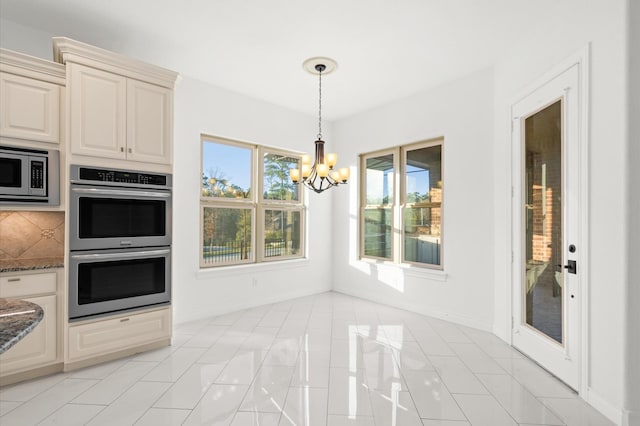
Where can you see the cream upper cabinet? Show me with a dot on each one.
(30, 109)
(98, 112)
(149, 122)
(119, 108)
(117, 117)
(31, 93)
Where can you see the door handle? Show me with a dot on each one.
(571, 267)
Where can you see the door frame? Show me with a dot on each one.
(582, 60)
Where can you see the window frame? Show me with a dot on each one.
(285, 205)
(255, 202)
(400, 204)
(364, 206)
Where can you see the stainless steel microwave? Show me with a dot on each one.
(29, 176)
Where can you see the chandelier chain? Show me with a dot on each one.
(320, 104)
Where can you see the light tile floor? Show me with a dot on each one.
(329, 359)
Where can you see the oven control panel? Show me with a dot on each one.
(113, 176)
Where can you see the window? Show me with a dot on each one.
(401, 204)
(239, 224)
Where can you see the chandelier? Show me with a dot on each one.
(321, 175)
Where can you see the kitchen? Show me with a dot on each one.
(85, 228)
(469, 109)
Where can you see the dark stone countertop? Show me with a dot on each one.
(17, 319)
(16, 265)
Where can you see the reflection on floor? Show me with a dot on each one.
(324, 360)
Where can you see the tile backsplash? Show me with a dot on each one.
(31, 237)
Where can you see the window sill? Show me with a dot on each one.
(432, 274)
(251, 268)
(409, 270)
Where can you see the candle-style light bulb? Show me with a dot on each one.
(331, 159)
(344, 174)
(323, 170)
(295, 175)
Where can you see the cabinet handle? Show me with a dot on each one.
(124, 319)
(13, 280)
(121, 149)
(130, 150)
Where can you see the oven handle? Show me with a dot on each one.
(121, 255)
(122, 193)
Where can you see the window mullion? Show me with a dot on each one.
(398, 186)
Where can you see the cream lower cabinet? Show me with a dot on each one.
(113, 116)
(105, 336)
(39, 348)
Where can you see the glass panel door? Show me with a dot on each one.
(543, 208)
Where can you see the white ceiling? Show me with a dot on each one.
(385, 49)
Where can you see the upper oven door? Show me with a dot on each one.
(14, 174)
(105, 217)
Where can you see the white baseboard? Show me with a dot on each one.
(607, 409)
(631, 418)
(198, 315)
(455, 318)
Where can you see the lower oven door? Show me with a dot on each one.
(117, 280)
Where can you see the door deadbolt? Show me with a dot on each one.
(571, 267)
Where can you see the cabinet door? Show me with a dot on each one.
(116, 334)
(149, 122)
(30, 109)
(21, 285)
(98, 112)
(38, 348)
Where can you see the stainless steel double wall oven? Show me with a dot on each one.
(119, 240)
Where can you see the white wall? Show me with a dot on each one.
(201, 108)
(26, 40)
(461, 112)
(632, 372)
(571, 25)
